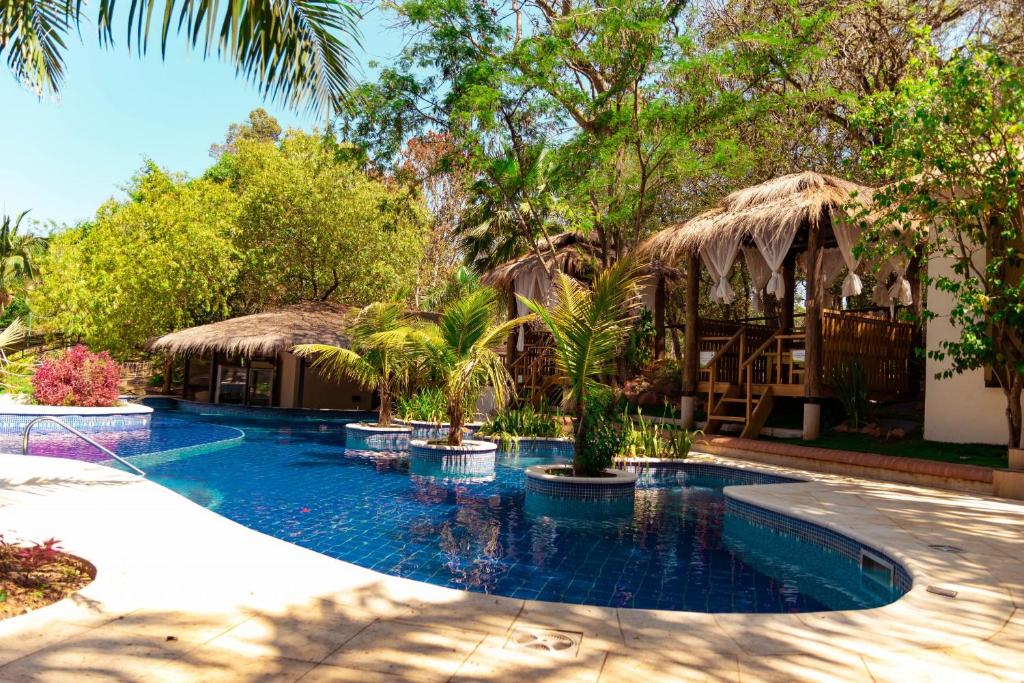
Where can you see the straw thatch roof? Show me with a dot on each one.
(263, 334)
(574, 253)
(798, 199)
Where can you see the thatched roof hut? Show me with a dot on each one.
(263, 334)
(574, 253)
(780, 205)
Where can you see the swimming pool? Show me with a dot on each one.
(681, 546)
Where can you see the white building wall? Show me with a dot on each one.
(960, 409)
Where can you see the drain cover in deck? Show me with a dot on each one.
(544, 640)
(945, 548)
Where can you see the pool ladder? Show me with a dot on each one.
(80, 435)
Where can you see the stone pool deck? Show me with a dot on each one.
(182, 594)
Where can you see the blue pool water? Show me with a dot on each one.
(679, 547)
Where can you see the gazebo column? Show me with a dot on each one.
(659, 319)
(789, 299)
(691, 331)
(812, 344)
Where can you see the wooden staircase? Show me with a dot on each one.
(738, 384)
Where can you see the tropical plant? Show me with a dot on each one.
(292, 49)
(380, 358)
(426, 405)
(850, 382)
(602, 439)
(461, 350)
(78, 377)
(12, 372)
(509, 425)
(681, 441)
(589, 327)
(18, 252)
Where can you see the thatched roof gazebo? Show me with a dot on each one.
(262, 334)
(529, 355)
(248, 361)
(798, 219)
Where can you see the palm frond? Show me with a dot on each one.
(32, 35)
(339, 363)
(294, 50)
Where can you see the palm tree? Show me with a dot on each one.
(293, 49)
(461, 350)
(17, 254)
(380, 358)
(589, 327)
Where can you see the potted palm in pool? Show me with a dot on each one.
(589, 327)
(381, 356)
(461, 353)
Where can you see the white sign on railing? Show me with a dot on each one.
(799, 355)
(705, 358)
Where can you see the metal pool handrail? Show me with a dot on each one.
(80, 435)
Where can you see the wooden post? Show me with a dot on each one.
(185, 375)
(691, 337)
(789, 298)
(659, 318)
(213, 378)
(812, 324)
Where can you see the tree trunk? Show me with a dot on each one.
(1013, 411)
(168, 369)
(580, 440)
(384, 416)
(456, 420)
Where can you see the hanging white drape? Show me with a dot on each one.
(774, 247)
(648, 292)
(847, 236)
(832, 263)
(760, 273)
(533, 284)
(718, 256)
(900, 290)
(880, 294)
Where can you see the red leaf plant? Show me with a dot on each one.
(77, 377)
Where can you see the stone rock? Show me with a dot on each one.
(895, 433)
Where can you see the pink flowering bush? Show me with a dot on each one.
(77, 377)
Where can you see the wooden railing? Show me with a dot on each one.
(884, 348)
(533, 369)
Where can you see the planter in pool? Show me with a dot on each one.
(15, 417)
(553, 481)
(427, 431)
(471, 454)
(453, 468)
(367, 437)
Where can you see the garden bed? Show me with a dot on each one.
(912, 446)
(37, 576)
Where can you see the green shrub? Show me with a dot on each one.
(602, 438)
(648, 439)
(511, 424)
(850, 383)
(428, 405)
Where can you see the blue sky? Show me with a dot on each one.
(63, 158)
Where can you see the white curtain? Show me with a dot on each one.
(880, 294)
(847, 235)
(648, 292)
(718, 256)
(832, 263)
(760, 273)
(533, 284)
(774, 248)
(900, 290)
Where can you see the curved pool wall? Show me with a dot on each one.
(683, 545)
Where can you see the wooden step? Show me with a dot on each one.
(738, 400)
(727, 418)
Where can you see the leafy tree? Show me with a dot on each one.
(461, 350)
(589, 327)
(313, 225)
(293, 49)
(381, 356)
(951, 136)
(142, 267)
(18, 253)
(261, 127)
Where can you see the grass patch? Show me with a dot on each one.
(912, 447)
